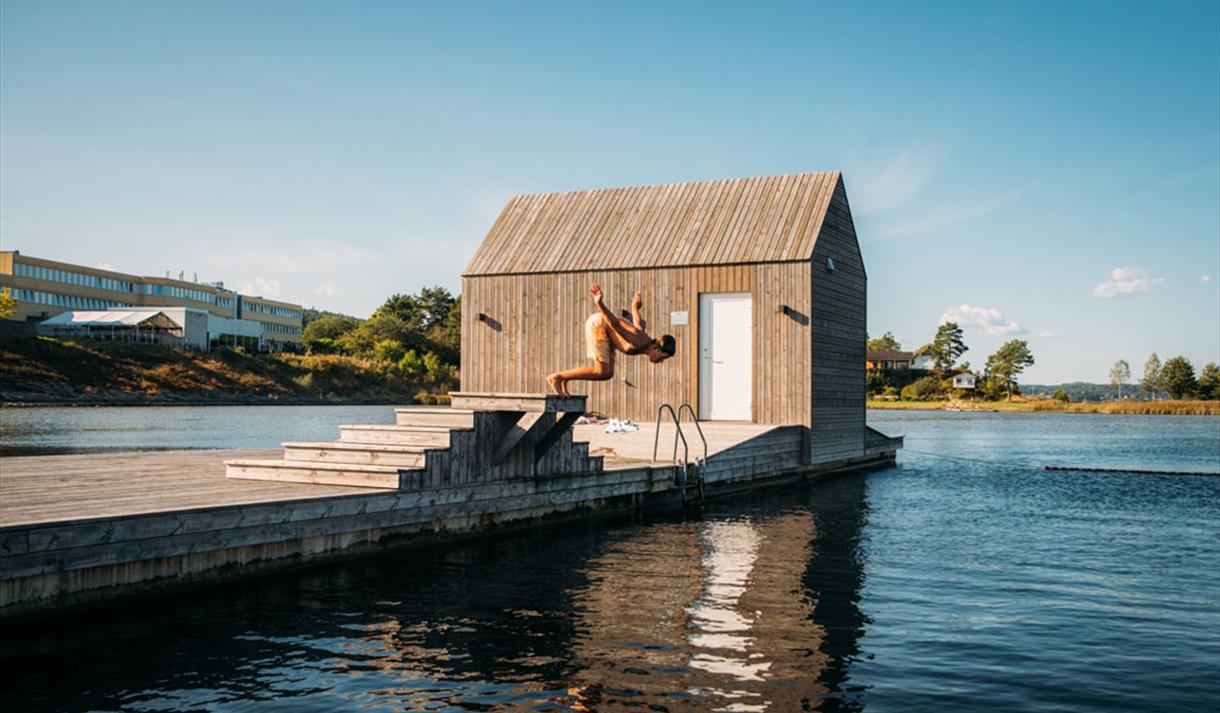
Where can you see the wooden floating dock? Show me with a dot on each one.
(75, 529)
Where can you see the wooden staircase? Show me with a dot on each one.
(482, 438)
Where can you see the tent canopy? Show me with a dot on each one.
(113, 318)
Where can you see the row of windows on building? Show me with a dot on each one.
(77, 302)
(281, 328)
(72, 278)
(183, 293)
(71, 301)
(68, 277)
(269, 309)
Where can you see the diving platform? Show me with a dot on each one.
(487, 437)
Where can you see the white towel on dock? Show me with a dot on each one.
(617, 426)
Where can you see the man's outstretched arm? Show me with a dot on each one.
(612, 319)
(636, 303)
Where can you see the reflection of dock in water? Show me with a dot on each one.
(751, 614)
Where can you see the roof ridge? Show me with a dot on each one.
(670, 184)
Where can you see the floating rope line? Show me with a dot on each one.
(1068, 468)
(967, 459)
(1062, 468)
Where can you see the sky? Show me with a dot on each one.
(1038, 171)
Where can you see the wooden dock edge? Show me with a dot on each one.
(55, 568)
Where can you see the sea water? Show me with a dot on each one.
(965, 579)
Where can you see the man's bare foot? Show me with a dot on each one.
(555, 383)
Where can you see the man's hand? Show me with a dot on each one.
(596, 291)
(637, 302)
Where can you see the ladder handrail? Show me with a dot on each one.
(656, 438)
(694, 419)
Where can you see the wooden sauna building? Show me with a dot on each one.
(760, 281)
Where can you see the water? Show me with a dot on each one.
(941, 585)
(56, 430)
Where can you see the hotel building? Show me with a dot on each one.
(45, 288)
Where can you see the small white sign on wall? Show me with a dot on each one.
(678, 319)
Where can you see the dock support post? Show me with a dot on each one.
(514, 435)
(554, 433)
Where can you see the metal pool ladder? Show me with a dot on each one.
(689, 472)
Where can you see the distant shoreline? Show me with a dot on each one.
(1128, 408)
(78, 403)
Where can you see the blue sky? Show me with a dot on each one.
(1049, 172)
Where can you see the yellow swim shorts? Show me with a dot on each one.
(597, 339)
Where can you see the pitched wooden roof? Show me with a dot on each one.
(741, 220)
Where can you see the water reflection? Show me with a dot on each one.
(728, 614)
(724, 613)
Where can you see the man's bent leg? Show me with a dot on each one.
(597, 371)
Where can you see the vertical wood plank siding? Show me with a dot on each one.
(839, 337)
(536, 326)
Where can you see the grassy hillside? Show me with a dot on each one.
(45, 370)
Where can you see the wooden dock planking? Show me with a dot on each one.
(38, 489)
(69, 487)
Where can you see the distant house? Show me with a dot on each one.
(923, 361)
(877, 360)
(963, 381)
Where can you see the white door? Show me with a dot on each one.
(726, 342)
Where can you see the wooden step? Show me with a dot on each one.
(354, 452)
(433, 436)
(360, 476)
(435, 416)
(520, 403)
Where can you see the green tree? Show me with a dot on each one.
(419, 312)
(1008, 362)
(1151, 382)
(412, 367)
(1209, 382)
(1061, 395)
(946, 346)
(388, 351)
(1178, 378)
(402, 307)
(884, 343)
(446, 337)
(320, 334)
(8, 304)
(434, 304)
(361, 340)
(1120, 374)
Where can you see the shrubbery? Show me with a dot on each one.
(928, 388)
(415, 339)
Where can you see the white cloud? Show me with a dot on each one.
(1049, 334)
(260, 287)
(326, 290)
(896, 184)
(105, 266)
(989, 320)
(1205, 278)
(1125, 281)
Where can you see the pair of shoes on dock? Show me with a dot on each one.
(617, 426)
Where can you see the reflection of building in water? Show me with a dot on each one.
(718, 615)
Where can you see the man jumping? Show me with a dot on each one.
(605, 332)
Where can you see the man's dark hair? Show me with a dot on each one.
(667, 344)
